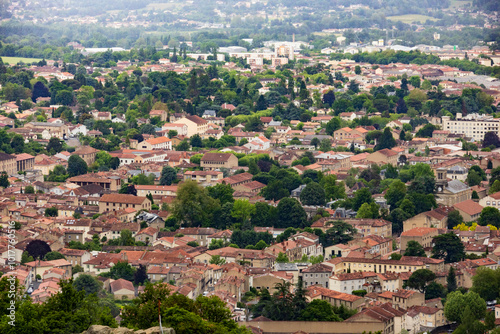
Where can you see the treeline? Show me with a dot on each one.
(81, 304)
(416, 57)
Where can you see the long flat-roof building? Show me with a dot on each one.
(473, 125)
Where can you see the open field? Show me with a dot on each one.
(459, 3)
(164, 6)
(410, 18)
(15, 60)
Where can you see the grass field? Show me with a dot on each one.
(410, 18)
(15, 60)
(164, 6)
(459, 3)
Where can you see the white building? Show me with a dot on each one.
(472, 125)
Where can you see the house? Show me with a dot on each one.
(24, 162)
(237, 181)
(182, 129)
(75, 256)
(469, 209)
(259, 143)
(111, 183)
(213, 161)
(122, 289)
(491, 200)
(200, 234)
(423, 235)
(437, 218)
(162, 114)
(87, 153)
(8, 163)
(115, 202)
(382, 157)
(159, 143)
(147, 235)
(430, 317)
(101, 115)
(452, 192)
(382, 266)
(407, 298)
(195, 124)
(349, 282)
(392, 320)
(208, 177)
(144, 190)
(335, 298)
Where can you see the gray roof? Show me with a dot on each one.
(459, 169)
(456, 186)
(286, 267)
(44, 124)
(209, 113)
(275, 123)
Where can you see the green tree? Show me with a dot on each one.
(53, 256)
(313, 194)
(87, 283)
(451, 280)
(140, 275)
(217, 260)
(193, 205)
(195, 141)
(454, 218)
(121, 270)
(76, 166)
(420, 279)
(413, 248)
(435, 290)
(222, 192)
(51, 212)
(4, 180)
(26, 257)
(395, 193)
(340, 232)
(204, 315)
(486, 283)
(449, 247)
(282, 258)
(370, 211)
(54, 146)
(489, 320)
(290, 214)
(454, 306)
(495, 187)
(319, 310)
(242, 210)
(168, 176)
(386, 140)
(362, 196)
(275, 190)
(489, 215)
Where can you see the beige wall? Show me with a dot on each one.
(425, 240)
(422, 220)
(319, 327)
(106, 206)
(9, 166)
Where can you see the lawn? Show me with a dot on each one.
(165, 6)
(410, 18)
(15, 60)
(459, 3)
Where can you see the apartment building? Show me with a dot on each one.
(472, 125)
(8, 163)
